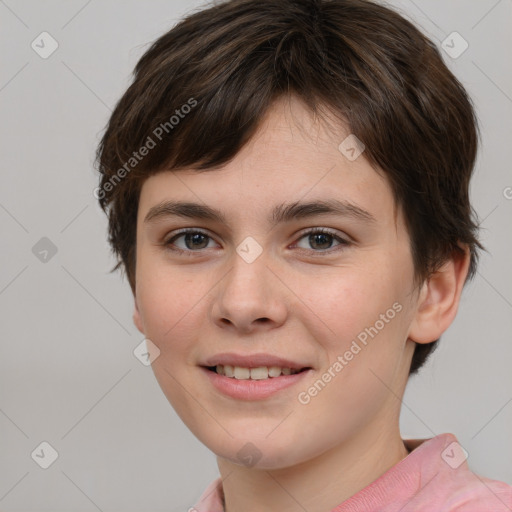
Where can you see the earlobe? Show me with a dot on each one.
(137, 317)
(439, 298)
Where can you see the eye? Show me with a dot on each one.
(321, 240)
(192, 241)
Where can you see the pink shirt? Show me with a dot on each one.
(434, 477)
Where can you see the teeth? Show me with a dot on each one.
(228, 370)
(274, 371)
(260, 373)
(242, 373)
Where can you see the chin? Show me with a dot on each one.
(257, 452)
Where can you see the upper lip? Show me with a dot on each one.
(252, 361)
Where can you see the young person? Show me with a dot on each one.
(286, 183)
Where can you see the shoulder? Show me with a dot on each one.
(471, 492)
(447, 484)
(434, 476)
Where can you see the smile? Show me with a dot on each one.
(259, 373)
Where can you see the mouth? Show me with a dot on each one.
(253, 376)
(255, 373)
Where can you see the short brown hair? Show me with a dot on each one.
(366, 63)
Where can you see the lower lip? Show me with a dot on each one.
(252, 389)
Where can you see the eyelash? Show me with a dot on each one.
(168, 244)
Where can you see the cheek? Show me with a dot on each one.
(169, 302)
(359, 319)
(362, 333)
(345, 302)
(172, 312)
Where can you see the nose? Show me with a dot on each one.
(250, 297)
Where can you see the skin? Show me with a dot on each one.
(299, 299)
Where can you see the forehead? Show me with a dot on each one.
(291, 157)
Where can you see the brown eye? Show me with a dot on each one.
(195, 240)
(188, 241)
(320, 240)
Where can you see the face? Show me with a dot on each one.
(252, 278)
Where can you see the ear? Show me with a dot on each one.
(136, 316)
(439, 299)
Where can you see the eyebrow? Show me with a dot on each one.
(280, 214)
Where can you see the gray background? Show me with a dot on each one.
(67, 372)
